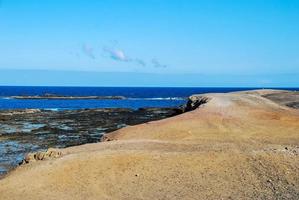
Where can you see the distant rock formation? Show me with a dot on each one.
(59, 97)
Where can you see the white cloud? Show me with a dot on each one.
(119, 55)
(116, 54)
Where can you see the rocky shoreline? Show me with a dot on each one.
(24, 131)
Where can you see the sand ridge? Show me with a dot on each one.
(236, 146)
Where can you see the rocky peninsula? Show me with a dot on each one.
(241, 145)
(61, 97)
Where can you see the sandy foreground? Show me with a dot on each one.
(236, 146)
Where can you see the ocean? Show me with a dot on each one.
(136, 97)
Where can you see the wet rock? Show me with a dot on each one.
(174, 111)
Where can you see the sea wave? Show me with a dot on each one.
(5, 98)
(52, 109)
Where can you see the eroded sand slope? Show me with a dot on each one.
(236, 146)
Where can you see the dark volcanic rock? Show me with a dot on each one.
(194, 102)
(24, 131)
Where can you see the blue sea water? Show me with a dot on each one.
(137, 97)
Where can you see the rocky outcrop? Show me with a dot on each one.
(194, 102)
(49, 154)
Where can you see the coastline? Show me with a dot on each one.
(236, 145)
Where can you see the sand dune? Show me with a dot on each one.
(236, 146)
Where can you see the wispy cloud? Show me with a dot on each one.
(88, 51)
(140, 62)
(157, 64)
(119, 55)
(116, 54)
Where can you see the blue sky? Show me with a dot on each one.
(226, 39)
